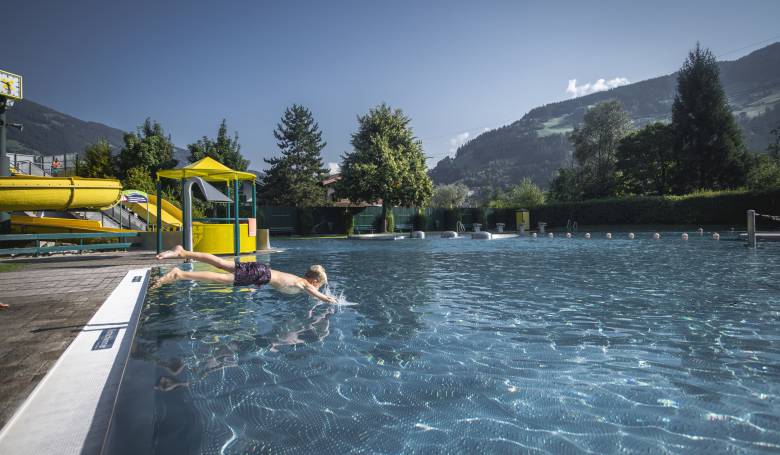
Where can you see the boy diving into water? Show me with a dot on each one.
(246, 274)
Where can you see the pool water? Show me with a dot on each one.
(465, 346)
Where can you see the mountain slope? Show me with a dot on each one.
(48, 132)
(537, 145)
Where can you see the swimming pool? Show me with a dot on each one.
(465, 346)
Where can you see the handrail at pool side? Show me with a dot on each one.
(38, 249)
(63, 236)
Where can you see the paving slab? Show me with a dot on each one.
(51, 299)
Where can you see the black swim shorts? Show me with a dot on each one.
(249, 273)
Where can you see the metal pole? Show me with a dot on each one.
(159, 216)
(236, 227)
(184, 232)
(751, 228)
(5, 217)
(254, 201)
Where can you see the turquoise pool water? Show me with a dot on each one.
(465, 346)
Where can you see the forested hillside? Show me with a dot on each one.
(537, 145)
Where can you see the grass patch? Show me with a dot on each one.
(6, 267)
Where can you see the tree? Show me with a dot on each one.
(595, 145)
(707, 141)
(645, 160)
(524, 195)
(764, 174)
(147, 148)
(294, 179)
(224, 149)
(98, 162)
(449, 196)
(387, 162)
(774, 147)
(138, 178)
(566, 185)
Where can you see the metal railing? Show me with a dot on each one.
(80, 247)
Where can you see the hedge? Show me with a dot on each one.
(705, 208)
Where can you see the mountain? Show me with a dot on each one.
(537, 145)
(49, 132)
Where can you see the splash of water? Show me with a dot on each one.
(341, 300)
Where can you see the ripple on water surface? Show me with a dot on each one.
(552, 346)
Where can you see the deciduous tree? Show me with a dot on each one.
(224, 149)
(387, 162)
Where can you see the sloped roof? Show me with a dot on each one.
(208, 169)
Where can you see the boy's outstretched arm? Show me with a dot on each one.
(317, 294)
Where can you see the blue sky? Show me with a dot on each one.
(456, 68)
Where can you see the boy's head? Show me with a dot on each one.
(316, 275)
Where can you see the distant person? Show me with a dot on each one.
(55, 166)
(246, 274)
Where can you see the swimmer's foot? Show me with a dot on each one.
(171, 277)
(177, 252)
(3, 306)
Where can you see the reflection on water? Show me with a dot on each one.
(560, 346)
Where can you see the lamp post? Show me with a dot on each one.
(10, 91)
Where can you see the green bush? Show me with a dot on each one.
(419, 221)
(451, 218)
(713, 207)
(305, 221)
(348, 223)
(390, 221)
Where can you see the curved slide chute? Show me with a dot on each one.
(171, 215)
(57, 193)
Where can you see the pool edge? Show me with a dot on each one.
(69, 410)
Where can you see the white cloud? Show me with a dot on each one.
(458, 140)
(333, 168)
(599, 86)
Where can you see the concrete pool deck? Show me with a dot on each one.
(51, 299)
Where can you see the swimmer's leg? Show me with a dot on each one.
(176, 274)
(181, 253)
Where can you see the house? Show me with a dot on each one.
(330, 194)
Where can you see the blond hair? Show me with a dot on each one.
(317, 272)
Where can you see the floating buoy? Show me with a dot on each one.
(609, 236)
(631, 236)
(533, 235)
(418, 235)
(551, 235)
(568, 235)
(684, 236)
(587, 235)
(656, 236)
(449, 235)
(716, 236)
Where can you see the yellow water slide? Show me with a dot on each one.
(171, 215)
(24, 192)
(46, 225)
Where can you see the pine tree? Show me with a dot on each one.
(224, 149)
(387, 163)
(708, 146)
(294, 178)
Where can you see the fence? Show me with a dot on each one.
(338, 220)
